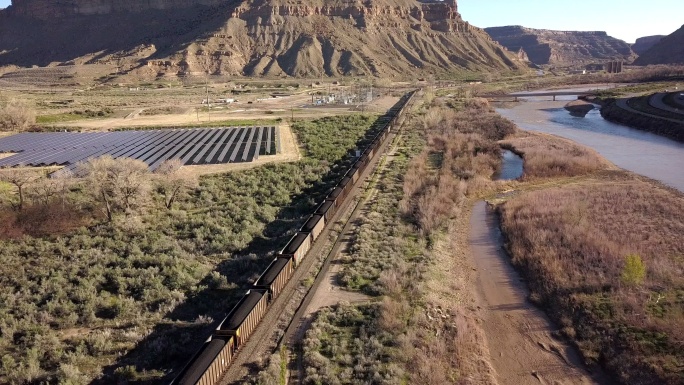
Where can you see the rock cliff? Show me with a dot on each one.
(645, 43)
(562, 48)
(397, 38)
(669, 50)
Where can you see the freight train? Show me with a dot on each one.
(210, 363)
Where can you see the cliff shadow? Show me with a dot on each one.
(28, 42)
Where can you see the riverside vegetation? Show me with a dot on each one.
(446, 153)
(600, 249)
(127, 293)
(605, 261)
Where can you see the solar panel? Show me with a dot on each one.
(192, 146)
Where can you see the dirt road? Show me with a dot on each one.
(519, 336)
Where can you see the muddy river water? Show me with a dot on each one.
(647, 154)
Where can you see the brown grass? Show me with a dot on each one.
(40, 220)
(572, 242)
(550, 156)
(460, 158)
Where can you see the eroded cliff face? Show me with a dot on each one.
(645, 43)
(562, 48)
(253, 38)
(45, 10)
(668, 50)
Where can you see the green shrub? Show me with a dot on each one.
(634, 271)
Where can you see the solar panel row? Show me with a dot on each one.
(193, 146)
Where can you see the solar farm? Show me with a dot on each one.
(199, 146)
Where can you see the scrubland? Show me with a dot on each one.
(573, 244)
(131, 298)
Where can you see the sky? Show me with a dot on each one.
(623, 19)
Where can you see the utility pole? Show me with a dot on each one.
(206, 86)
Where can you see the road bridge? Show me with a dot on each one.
(553, 94)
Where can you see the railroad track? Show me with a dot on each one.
(294, 334)
(285, 323)
(270, 312)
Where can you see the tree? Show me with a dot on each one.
(171, 182)
(45, 190)
(16, 116)
(20, 177)
(121, 185)
(634, 271)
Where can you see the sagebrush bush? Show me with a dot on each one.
(16, 115)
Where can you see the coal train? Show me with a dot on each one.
(209, 364)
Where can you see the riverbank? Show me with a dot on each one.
(602, 255)
(634, 150)
(600, 252)
(614, 112)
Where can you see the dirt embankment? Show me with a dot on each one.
(614, 113)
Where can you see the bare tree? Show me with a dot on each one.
(17, 116)
(171, 182)
(44, 190)
(121, 185)
(20, 177)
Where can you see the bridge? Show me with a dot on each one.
(553, 94)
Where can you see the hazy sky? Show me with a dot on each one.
(623, 19)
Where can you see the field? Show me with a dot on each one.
(547, 156)
(165, 104)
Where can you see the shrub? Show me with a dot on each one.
(16, 116)
(634, 271)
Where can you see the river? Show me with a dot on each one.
(647, 154)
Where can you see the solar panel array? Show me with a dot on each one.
(192, 146)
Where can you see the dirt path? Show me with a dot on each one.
(522, 348)
(267, 109)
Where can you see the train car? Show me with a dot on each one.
(365, 159)
(370, 151)
(327, 209)
(244, 318)
(208, 365)
(346, 185)
(276, 276)
(335, 194)
(354, 173)
(314, 225)
(298, 246)
(361, 166)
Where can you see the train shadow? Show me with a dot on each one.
(158, 357)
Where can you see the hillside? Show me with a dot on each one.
(250, 38)
(562, 48)
(645, 43)
(669, 50)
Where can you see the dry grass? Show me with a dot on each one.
(550, 156)
(572, 243)
(460, 158)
